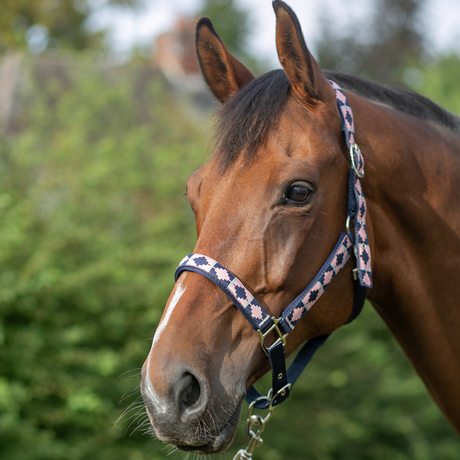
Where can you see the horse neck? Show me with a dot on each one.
(411, 186)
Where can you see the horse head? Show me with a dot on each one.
(269, 206)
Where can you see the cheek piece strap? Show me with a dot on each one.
(261, 321)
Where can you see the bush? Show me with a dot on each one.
(94, 223)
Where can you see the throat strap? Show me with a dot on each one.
(357, 208)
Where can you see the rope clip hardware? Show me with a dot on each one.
(255, 420)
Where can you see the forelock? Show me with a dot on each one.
(245, 120)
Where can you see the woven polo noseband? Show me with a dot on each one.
(265, 324)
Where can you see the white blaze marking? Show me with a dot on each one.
(161, 327)
(176, 297)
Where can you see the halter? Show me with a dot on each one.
(261, 321)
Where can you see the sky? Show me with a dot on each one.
(440, 21)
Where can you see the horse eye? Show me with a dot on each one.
(298, 193)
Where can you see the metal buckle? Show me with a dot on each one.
(354, 147)
(273, 327)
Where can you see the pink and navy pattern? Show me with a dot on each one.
(336, 261)
(230, 284)
(346, 114)
(245, 301)
(358, 210)
(362, 249)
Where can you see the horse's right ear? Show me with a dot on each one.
(307, 80)
(223, 73)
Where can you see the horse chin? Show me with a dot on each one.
(222, 440)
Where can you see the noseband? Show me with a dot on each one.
(260, 320)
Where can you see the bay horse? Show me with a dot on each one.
(269, 206)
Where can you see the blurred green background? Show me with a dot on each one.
(93, 162)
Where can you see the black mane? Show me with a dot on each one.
(245, 119)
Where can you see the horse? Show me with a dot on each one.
(269, 206)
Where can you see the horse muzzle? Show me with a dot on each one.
(183, 412)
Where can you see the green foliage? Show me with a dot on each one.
(93, 224)
(440, 83)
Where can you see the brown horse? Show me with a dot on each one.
(270, 205)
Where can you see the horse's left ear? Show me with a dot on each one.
(305, 75)
(223, 73)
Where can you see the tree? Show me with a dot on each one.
(48, 24)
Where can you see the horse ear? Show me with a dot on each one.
(305, 75)
(223, 73)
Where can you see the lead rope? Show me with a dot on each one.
(255, 421)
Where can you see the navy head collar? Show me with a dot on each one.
(260, 320)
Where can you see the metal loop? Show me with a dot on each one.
(354, 147)
(347, 224)
(269, 398)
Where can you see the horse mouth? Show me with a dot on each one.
(221, 440)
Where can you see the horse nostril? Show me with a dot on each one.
(191, 393)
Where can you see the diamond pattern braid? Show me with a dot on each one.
(362, 249)
(336, 261)
(245, 301)
(229, 283)
(346, 114)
